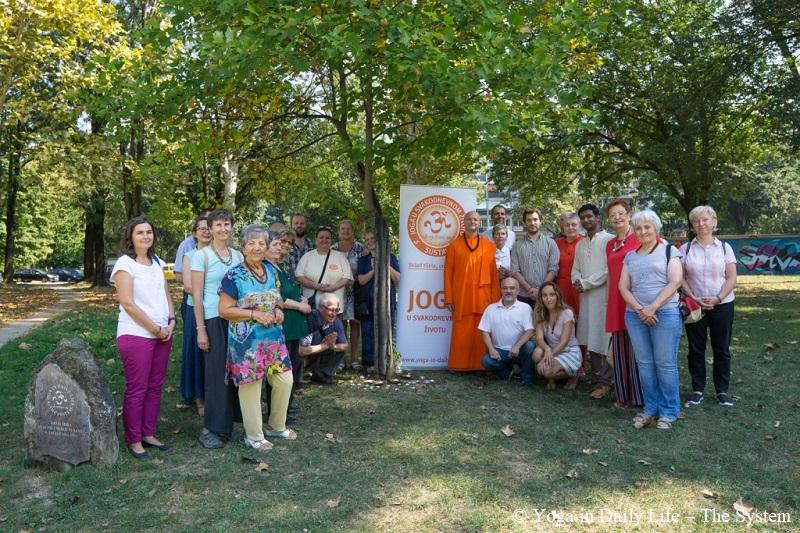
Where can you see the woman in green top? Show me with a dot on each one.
(295, 307)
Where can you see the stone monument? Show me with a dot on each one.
(70, 417)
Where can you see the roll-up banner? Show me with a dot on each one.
(430, 218)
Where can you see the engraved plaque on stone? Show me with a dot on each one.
(62, 414)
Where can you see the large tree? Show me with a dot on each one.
(392, 82)
(680, 98)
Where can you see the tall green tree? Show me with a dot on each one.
(390, 81)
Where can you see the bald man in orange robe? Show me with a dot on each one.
(471, 283)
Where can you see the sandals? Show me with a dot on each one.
(287, 434)
(571, 383)
(642, 420)
(664, 423)
(258, 445)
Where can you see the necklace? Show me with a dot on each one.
(230, 256)
(261, 278)
(470, 248)
(619, 244)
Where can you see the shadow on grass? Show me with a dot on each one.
(434, 458)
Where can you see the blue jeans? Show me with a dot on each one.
(656, 350)
(503, 367)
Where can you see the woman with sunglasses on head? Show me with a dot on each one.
(209, 266)
(192, 387)
(627, 387)
(144, 334)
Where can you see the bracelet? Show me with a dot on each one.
(251, 314)
(200, 327)
(171, 319)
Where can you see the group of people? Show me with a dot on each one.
(253, 318)
(607, 302)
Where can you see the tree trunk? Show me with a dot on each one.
(132, 148)
(382, 323)
(230, 179)
(14, 168)
(95, 218)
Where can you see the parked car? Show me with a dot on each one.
(68, 274)
(169, 271)
(34, 274)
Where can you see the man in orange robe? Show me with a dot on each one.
(471, 283)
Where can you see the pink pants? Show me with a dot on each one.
(145, 363)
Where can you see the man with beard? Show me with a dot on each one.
(507, 329)
(589, 277)
(301, 244)
(534, 258)
(470, 285)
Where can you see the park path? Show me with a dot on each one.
(68, 298)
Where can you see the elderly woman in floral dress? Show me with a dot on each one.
(251, 302)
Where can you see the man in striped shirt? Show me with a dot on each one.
(534, 258)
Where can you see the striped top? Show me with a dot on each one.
(534, 258)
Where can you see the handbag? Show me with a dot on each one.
(691, 311)
(312, 301)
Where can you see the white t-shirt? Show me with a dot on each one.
(310, 266)
(510, 239)
(506, 324)
(149, 295)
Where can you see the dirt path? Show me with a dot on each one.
(16, 328)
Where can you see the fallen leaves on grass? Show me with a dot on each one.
(709, 494)
(262, 467)
(771, 346)
(151, 492)
(572, 474)
(644, 462)
(158, 461)
(769, 437)
(758, 406)
(24, 346)
(334, 502)
(602, 463)
(170, 389)
(589, 451)
(330, 437)
(777, 424)
(122, 481)
(507, 431)
(471, 435)
(743, 507)
(19, 302)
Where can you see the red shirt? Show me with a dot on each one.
(616, 251)
(563, 279)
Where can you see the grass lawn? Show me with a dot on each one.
(433, 457)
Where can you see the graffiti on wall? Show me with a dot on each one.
(779, 255)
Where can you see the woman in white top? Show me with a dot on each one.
(209, 266)
(557, 354)
(144, 334)
(709, 268)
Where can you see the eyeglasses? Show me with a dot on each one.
(334, 309)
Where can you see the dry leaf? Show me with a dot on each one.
(739, 381)
(507, 431)
(109, 362)
(620, 441)
(330, 437)
(151, 492)
(572, 474)
(262, 467)
(395, 503)
(792, 342)
(3, 518)
(758, 406)
(122, 481)
(472, 435)
(771, 346)
(334, 503)
(709, 494)
(484, 408)
(157, 461)
(602, 463)
(176, 431)
(777, 424)
(744, 507)
(169, 388)
(644, 462)
(24, 346)
(769, 437)
(589, 451)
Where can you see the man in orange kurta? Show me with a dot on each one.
(471, 283)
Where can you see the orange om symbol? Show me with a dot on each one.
(439, 221)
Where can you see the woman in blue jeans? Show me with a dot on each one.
(650, 278)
